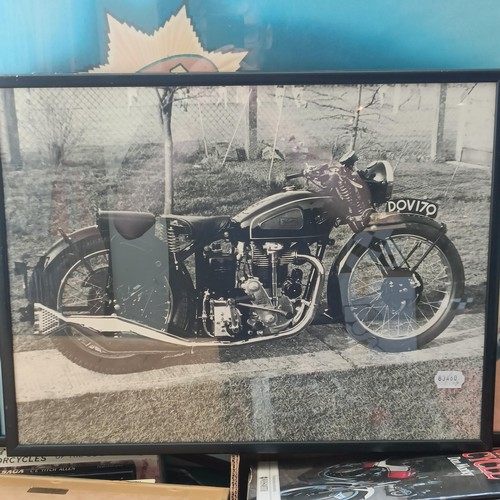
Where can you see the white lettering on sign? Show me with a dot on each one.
(413, 206)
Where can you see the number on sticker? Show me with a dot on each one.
(449, 379)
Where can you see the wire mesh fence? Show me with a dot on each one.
(90, 148)
(391, 120)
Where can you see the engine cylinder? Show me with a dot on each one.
(262, 264)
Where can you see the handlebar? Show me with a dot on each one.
(348, 160)
(289, 177)
(310, 172)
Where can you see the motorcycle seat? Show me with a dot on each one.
(200, 227)
(130, 225)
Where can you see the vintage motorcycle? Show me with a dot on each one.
(361, 480)
(328, 492)
(136, 289)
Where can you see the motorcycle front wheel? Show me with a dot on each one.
(400, 288)
(81, 277)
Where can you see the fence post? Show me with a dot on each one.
(251, 141)
(8, 121)
(437, 139)
(462, 116)
(396, 99)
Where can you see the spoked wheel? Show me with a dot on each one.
(84, 285)
(400, 291)
(327, 492)
(352, 471)
(84, 290)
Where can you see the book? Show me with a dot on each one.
(119, 471)
(467, 475)
(106, 467)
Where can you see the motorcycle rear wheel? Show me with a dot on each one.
(400, 291)
(79, 275)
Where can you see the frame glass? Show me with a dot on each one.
(249, 263)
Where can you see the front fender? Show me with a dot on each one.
(385, 222)
(379, 222)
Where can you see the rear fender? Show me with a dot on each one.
(61, 245)
(381, 223)
(38, 285)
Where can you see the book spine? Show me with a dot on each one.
(93, 471)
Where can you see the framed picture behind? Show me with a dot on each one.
(236, 263)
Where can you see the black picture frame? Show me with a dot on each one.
(77, 420)
(496, 429)
(3, 440)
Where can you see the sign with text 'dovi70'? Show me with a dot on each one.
(114, 36)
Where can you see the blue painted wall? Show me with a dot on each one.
(67, 36)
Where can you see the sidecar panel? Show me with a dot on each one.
(135, 251)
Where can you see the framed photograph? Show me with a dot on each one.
(236, 263)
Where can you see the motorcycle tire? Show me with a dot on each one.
(352, 472)
(113, 354)
(415, 300)
(327, 492)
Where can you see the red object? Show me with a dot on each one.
(400, 474)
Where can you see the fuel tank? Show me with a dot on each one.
(290, 214)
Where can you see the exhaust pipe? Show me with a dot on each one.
(48, 321)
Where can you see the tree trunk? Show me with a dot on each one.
(166, 103)
(355, 126)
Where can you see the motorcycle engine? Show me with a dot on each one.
(266, 318)
(263, 277)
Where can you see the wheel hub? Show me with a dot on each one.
(400, 288)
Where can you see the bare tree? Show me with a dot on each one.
(58, 134)
(357, 113)
(350, 119)
(62, 134)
